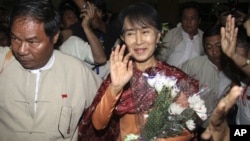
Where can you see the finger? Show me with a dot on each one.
(232, 28)
(111, 58)
(127, 58)
(228, 23)
(121, 53)
(218, 115)
(206, 135)
(116, 53)
(130, 67)
(233, 96)
(235, 35)
(222, 32)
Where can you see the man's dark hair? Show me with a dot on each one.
(191, 4)
(69, 5)
(42, 11)
(210, 31)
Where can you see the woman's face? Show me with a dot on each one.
(141, 40)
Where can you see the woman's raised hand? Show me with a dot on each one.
(121, 69)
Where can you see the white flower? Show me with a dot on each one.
(159, 81)
(131, 137)
(190, 125)
(175, 109)
(171, 81)
(203, 116)
(174, 92)
(198, 105)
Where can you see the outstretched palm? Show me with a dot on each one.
(121, 68)
(229, 37)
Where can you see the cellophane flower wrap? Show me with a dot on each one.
(167, 118)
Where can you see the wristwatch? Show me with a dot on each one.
(247, 63)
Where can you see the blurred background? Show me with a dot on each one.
(168, 9)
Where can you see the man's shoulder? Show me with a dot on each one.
(3, 52)
(73, 42)
(197, 61)
(175, 30)
(66, 58)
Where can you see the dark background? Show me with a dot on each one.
(167, 9)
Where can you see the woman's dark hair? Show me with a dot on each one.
(40, 10)
(140, 13)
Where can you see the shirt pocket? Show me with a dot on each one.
(64, 125)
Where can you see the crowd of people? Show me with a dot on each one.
(80, 72)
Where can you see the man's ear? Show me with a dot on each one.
(55, 38)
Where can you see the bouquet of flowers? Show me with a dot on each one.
(167, 118)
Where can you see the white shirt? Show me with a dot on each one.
(77, 47)
(187, 49)
(243, 103)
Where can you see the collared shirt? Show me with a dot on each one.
(185, 50)
(38, 72)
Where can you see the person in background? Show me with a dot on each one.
(229, 40)
(97, 9)
(75, 47)
(141, 32)
(89, 55)
(218, 129)
(43, 91)
(69, 14)
(208, 69)
(239, 78)
(224, 10)
(183, 42)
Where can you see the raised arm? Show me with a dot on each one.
(218, 129)
(228, 43)
(121, 71)
(88, 15)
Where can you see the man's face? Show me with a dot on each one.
(213, 49)
(190, 21)
(30, 45)
(69, 18)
